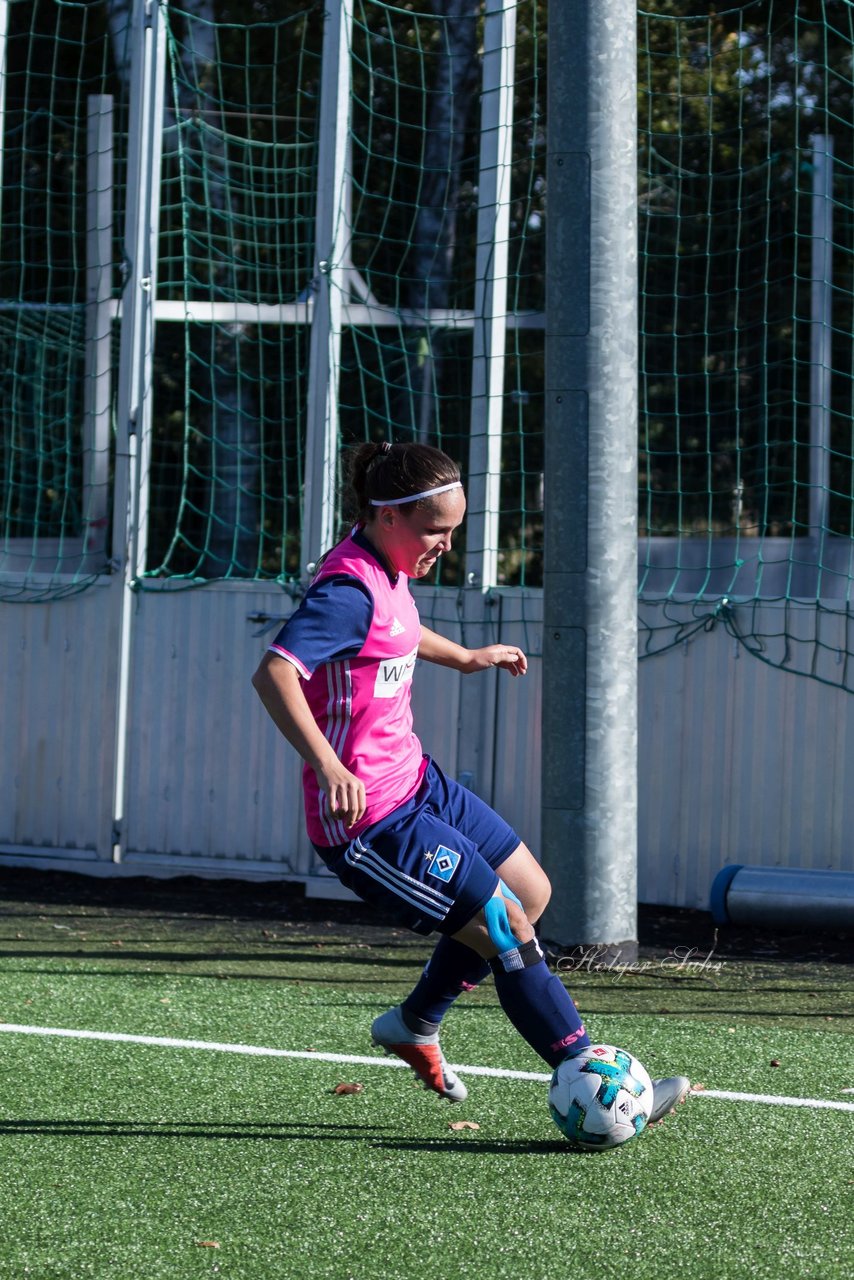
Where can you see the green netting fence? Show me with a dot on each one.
(747, 396)
(745, 155)
(53, 488)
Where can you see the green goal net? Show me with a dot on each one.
(236, 286)
(54, 466)
(746, 377)
(746, 502)
(241, 178)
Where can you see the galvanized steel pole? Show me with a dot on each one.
(489, 338)
(97, 386)
(821, 339)
(4, 30)
(134, 397)
(330, 282)
(589, 787)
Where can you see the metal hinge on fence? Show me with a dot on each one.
(266, 621)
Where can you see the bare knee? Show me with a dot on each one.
(539, 899)
(535, 895)
(523, 874)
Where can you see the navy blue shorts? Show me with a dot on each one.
(432, 861)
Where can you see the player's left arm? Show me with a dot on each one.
(438, 649)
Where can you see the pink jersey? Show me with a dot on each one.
(362, 703)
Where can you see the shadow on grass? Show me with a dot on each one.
(196, 955)
(187, 900)
(288, 1131)
(333, 980)
(724, 1011)
(488, 1146)
(183, 898)
(688, 1004)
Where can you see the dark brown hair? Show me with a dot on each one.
(390, 471)
(393, 471)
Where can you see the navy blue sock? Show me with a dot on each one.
(452, 969)
(537, 1003)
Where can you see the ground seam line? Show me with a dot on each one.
(353, 1059)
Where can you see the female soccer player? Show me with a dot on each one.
(380, 813)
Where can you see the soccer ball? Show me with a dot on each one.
(600, 1097)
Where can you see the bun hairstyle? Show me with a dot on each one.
(390, 471)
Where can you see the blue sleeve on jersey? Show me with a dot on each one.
(332, 622)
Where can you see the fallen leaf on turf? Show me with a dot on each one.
(463, 1124)
(775, 1062)
(348, 1088)
(208, 1244)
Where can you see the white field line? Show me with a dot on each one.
(355, 1059)
(257, 1051)
(777, 1099)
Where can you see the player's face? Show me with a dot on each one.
(414, 541)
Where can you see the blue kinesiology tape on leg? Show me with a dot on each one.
(498, 925)
(500, 933)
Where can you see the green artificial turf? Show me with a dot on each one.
(137, 1162)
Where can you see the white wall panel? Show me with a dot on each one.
(739, 761)
(210, 778)
(485, 727)
(436, 690)
(57, 712)
(518, 755)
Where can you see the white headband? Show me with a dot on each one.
(413, 497)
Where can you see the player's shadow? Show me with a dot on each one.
(242, 1131)
(482, 1146)
(288, 1131)
(291, 1130)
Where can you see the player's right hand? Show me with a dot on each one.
(345, 793)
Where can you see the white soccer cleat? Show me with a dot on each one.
(667, 1094)
(422, 1053)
